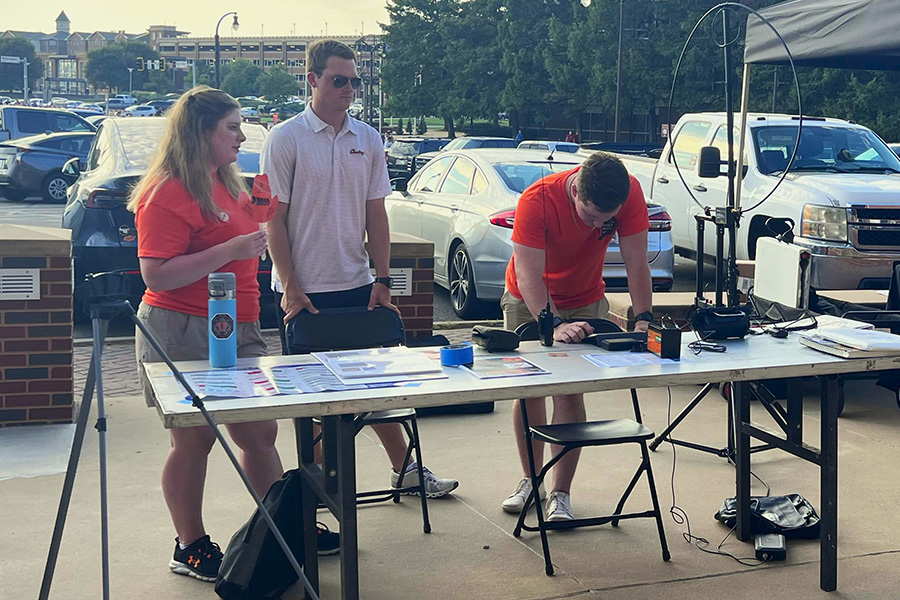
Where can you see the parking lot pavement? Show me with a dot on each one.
(31, 211)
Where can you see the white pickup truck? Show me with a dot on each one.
(842, 192)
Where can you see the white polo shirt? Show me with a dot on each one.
(327, 178)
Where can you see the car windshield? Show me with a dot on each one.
(404, 148)
(519, 175)
(140, 141)
(826, 148)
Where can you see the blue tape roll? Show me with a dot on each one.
(455, 355)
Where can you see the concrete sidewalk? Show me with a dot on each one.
(471, 552)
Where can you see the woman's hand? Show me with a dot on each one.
(251, 245)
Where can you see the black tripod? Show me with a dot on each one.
(106, 301)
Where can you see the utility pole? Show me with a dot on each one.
(619, 72)
(130, 86)
(25, 89)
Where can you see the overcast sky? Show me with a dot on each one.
(271, 17)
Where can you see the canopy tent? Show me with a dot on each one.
(846, 34)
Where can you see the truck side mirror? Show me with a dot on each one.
(72, 167)
(399, 184)
(710, 163)
(5, 135)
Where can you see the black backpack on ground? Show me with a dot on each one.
(254, 566)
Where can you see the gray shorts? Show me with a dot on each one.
(515, 312)
(185, 337)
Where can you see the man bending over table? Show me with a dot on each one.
(564, 224)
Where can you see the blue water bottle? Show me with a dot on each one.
(222, 320)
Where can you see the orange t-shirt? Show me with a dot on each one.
(575, 252)
(170, 224)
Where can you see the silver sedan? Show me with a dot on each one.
(464, 202)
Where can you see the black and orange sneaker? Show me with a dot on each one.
(200, 560)
(327, 542)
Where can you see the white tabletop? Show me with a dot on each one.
(755, 358)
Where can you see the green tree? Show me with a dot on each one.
(11, 76)
(277, 85)
(409, 127)
(159, 82)
(240, 78)
(108, 67)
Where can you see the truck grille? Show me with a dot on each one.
(875, 227)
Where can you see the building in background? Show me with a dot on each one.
(64, 54)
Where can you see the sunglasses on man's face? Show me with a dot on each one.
(339, 81)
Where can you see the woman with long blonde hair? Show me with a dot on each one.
(190, 224)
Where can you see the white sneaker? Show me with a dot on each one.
(516, 501)
(559, 507)
(435, 487)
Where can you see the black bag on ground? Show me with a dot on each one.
(792, 516)
(254, 566)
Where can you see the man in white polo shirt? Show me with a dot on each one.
(329, 174)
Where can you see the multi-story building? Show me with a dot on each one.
(264, 52)
(64, 55)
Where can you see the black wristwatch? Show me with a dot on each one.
(644, 316)
(385, 281)
(557, 321)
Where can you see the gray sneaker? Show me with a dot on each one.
(516, 501)
(435, 487)
(559, 507)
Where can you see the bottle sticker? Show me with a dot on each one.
(222, 326)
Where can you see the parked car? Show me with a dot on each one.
(895, 148)
(6, 100)
(58, 102)
(140, 110)
(23, 121)
(89, 107)
(249, 112)
(842, 192)
(402, 153)
(121, 102)
(33, 165)
(467, 143)
(569, 147)
(464, 202)
(161, 106)
(104, 237)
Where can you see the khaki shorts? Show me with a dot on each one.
(515, 312)
(185, 337)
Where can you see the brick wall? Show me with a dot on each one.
(417, 310)
(36, 335)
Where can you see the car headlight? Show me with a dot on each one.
(824, 223)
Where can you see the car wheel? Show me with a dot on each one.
(462, 284)
(54, 188)
(14, 195)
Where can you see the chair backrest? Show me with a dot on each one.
(529, 332)
(344, 329)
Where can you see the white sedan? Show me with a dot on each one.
(464, 202)
(140, 110)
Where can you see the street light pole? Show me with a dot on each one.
(619, 72)
(234, 27)
(130, 86)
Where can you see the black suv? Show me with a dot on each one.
(402, 154)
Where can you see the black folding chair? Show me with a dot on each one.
(570, 436)
(351, 329)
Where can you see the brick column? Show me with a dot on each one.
(36, 335)
(417, 309)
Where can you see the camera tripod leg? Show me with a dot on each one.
(198, 403)
(74, 456)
